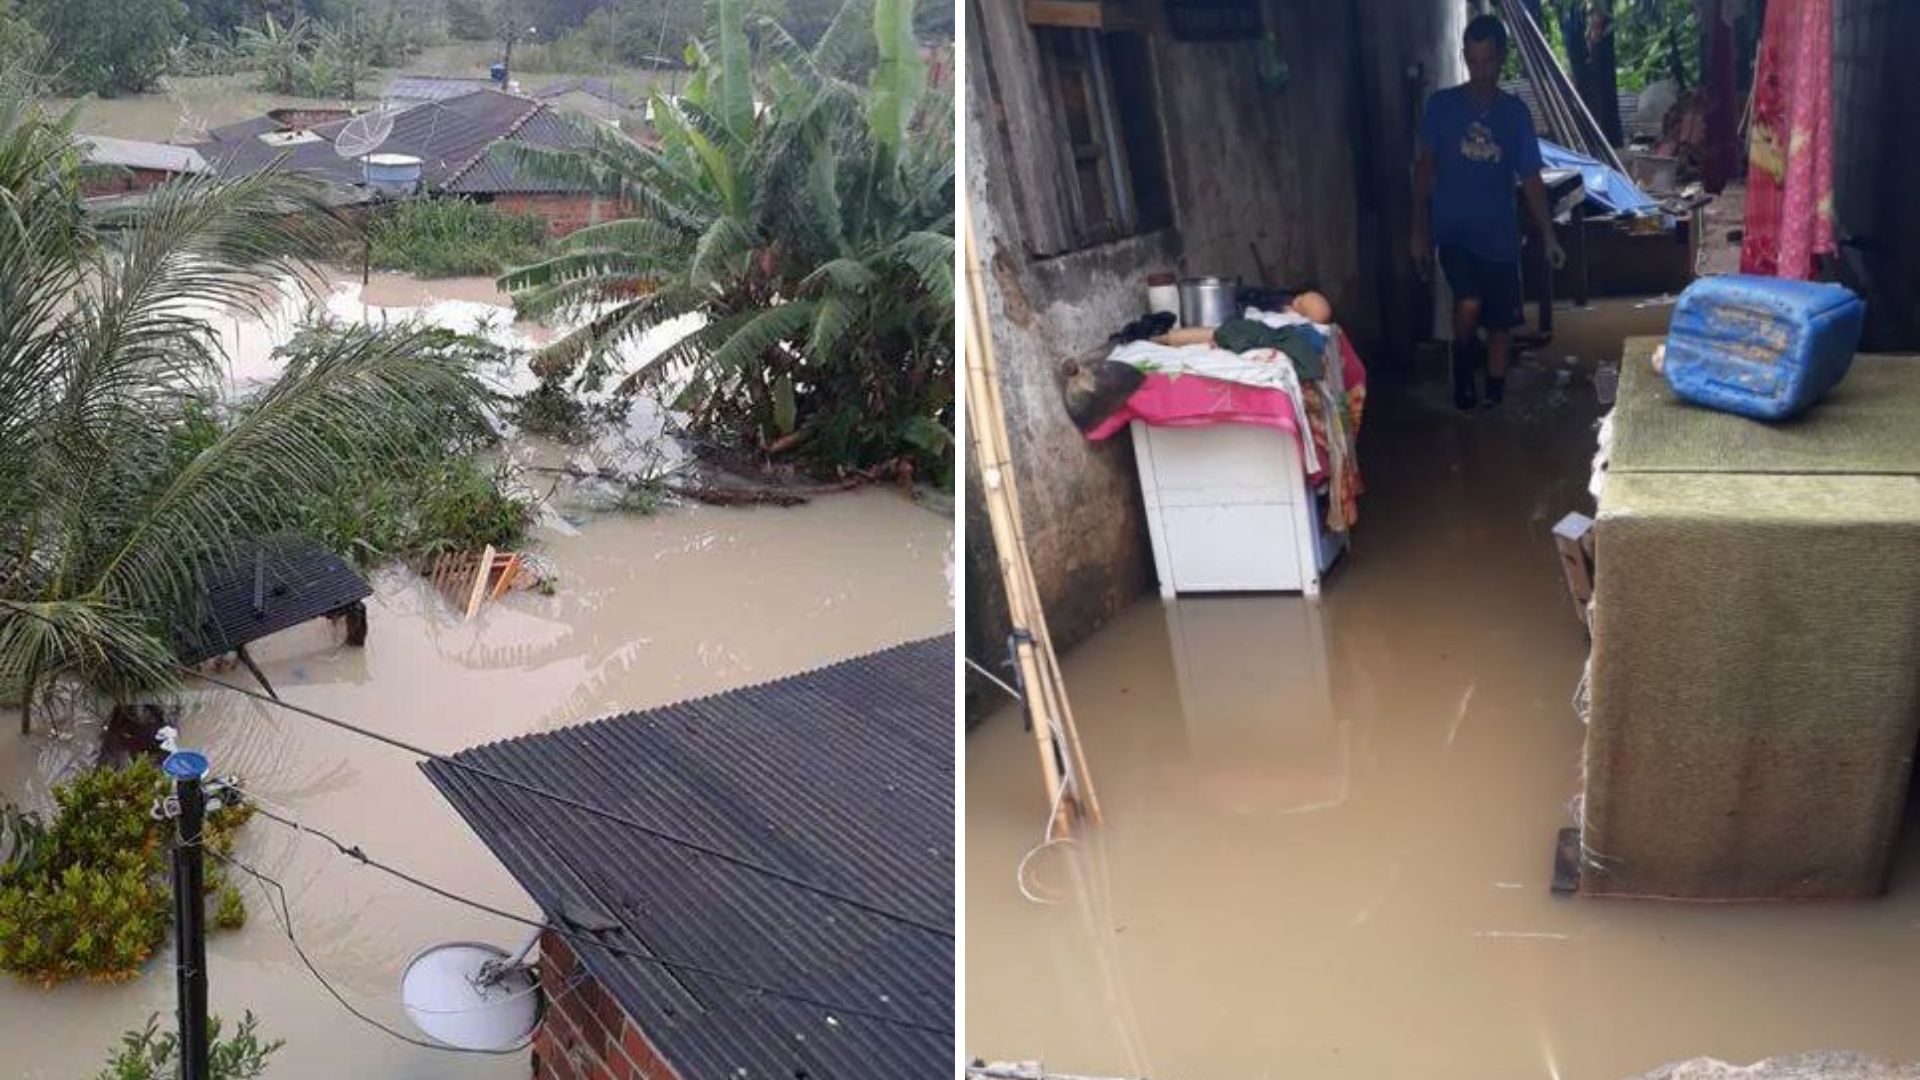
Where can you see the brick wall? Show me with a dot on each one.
(126, 180)
(564, 213)
(584, 1034)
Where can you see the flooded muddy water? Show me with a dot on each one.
(647, 611)
(1329, 829)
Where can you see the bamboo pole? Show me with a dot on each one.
(1069, 784)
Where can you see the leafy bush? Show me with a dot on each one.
(152, 1054)
(87, 895)
(439, 496)
(455, 237)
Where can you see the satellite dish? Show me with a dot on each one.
(471, 996)
(363, 134)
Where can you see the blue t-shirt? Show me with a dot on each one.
(1480, 152)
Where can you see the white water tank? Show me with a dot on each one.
(392, 174)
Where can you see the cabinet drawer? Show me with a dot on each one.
(1224, 463)
(1249, 547)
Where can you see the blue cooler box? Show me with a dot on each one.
(1761, 347)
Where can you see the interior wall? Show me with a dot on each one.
(1876, 111)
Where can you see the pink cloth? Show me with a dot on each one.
(1197, 401)
(1790, 164)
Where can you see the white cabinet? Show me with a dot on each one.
(1229, 510)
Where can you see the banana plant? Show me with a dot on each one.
(792, 211)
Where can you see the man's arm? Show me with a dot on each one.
(1422, 241)
(1536, 191)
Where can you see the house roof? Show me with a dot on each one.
(138, 154)
(451, 137)
(841, 776)
(434, 87)
(592, 86)
(263, 588)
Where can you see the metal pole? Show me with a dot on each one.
(189, 912)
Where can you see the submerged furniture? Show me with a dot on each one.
(1229, 510)
(1755, 675)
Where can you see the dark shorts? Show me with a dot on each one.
(1495, 284)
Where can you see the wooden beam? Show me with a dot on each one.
(1084, 15)
(509, 571)
(1063, 764)
(482, 570)
(259, 676)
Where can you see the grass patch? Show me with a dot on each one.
(455, 238)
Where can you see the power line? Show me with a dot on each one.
(283, 914)
(589, 808)
(358, 854)
(535, 790)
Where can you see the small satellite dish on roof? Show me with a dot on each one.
(363, 134)
(471, 996)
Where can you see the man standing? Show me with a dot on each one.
(1476, 142)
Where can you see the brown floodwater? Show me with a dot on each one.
(1329, 829)
(647, 611)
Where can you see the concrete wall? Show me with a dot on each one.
(1299, 180)
(584, 1034)
(1876, 109)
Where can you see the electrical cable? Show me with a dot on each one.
(283, 914)
(358, 854)
(981, 670)
(540, 792)
(589, 808)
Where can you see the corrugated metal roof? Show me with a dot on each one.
(434, 87)
(449, 137)
(264, 588)
(841, 776)
(492, 172)
(137, 154)
(590, 85)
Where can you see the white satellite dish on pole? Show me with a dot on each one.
(363, 134)
(472, 996)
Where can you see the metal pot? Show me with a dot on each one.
(1207, 301)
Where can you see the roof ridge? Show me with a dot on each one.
(513, 129)
(778, 680)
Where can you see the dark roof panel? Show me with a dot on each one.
(264, 588)
(448, 136)
(841, 777)
(494, 173)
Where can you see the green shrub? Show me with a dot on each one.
(152, 1054)
(230, 912)
(87, 895)
(454, 237)
(440, 496)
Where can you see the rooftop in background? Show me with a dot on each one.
(264, 588)
(452, 137)
(138, 154)
(841, 776)
(417, 88)
(591, 86)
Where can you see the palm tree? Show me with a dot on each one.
(810, 234)
(124, 474)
